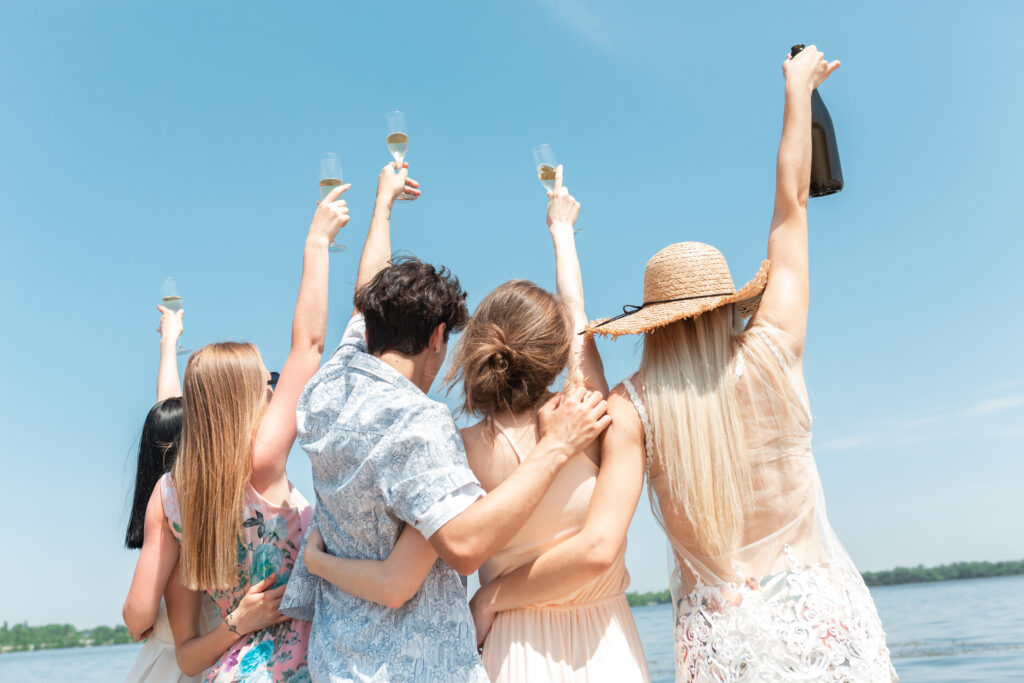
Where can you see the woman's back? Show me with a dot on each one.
(582, 635)
(789, 598)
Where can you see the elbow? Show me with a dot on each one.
(600, 555)
(462, 557)
(395, 597)
(136, 622)
(187, 667)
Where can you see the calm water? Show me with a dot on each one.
(948, 631)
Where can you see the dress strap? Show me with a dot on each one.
(642, 411)
(508, 437)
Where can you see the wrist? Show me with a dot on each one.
(384, 203)
(231, 622)
(560, 226)
(557, 451)
(316, 241)
(796, 89)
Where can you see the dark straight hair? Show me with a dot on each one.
(158, 447)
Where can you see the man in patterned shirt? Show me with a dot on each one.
(385, 455)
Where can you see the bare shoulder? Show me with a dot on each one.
(487, 464)
(625, 418)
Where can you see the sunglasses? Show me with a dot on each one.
(272, 382)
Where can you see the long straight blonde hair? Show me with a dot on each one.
(224, 397)
(688, 371)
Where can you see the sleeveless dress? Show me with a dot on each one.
(586, 636)
(788, 605)
(156, 662)
(270, 543)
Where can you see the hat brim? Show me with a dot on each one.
(747, 298)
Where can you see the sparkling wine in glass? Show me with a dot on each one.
(544, 160)
(398, 140)
(170, 299)
(330, 178)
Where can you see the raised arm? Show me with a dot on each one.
(585, 555)
(787, 295)
(157, 558)
(391, 183)
(568, 423)
(391, 582)
(585, 367)
(168, 384)
(277, 431)
(196, 651)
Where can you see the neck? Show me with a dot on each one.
(413, 368)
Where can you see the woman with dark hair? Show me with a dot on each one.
(158, 448)
(574, 624)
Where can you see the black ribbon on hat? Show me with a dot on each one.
(630, 309)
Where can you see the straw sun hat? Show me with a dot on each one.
(681, 281)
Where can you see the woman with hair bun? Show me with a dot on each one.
(552, 606)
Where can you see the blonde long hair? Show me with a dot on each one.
(224, 396)
(688, 371)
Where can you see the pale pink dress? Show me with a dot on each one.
(588, 635)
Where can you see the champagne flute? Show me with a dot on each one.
(544, 160)
(170, 299)
(330, 178)
(398, 140)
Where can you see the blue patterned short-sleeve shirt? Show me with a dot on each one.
(383, 455)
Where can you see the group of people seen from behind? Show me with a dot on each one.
(239, 578)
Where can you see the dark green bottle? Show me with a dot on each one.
(826, 172)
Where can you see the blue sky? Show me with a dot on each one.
(146, 139)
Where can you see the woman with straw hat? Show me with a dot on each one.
(718, 417)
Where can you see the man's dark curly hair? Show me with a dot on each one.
(406, 301)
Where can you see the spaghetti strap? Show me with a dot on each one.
(648, 432)
(508, 437)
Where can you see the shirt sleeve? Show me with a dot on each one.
(299, 600)
(429, 482)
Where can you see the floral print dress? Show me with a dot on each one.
(270, 541)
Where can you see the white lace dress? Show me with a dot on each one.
(789, 605)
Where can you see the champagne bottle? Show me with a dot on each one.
(826, 172)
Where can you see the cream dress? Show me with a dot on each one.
(789, 605)
(587, 635)
(156, 662)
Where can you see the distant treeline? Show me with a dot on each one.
(641, 599)
(944, 572)
(890, 577)
(25, 637)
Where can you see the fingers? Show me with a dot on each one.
(162, 309)
(263, 585)
(832, 66)
(578, 395)
(604, 423)
(553, 403)
(283, 618)
(337, 192)
(409, 182)
(412, 191)
(275, 593)
(558, 178)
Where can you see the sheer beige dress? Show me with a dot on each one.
(586, 636)
(788, 605)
